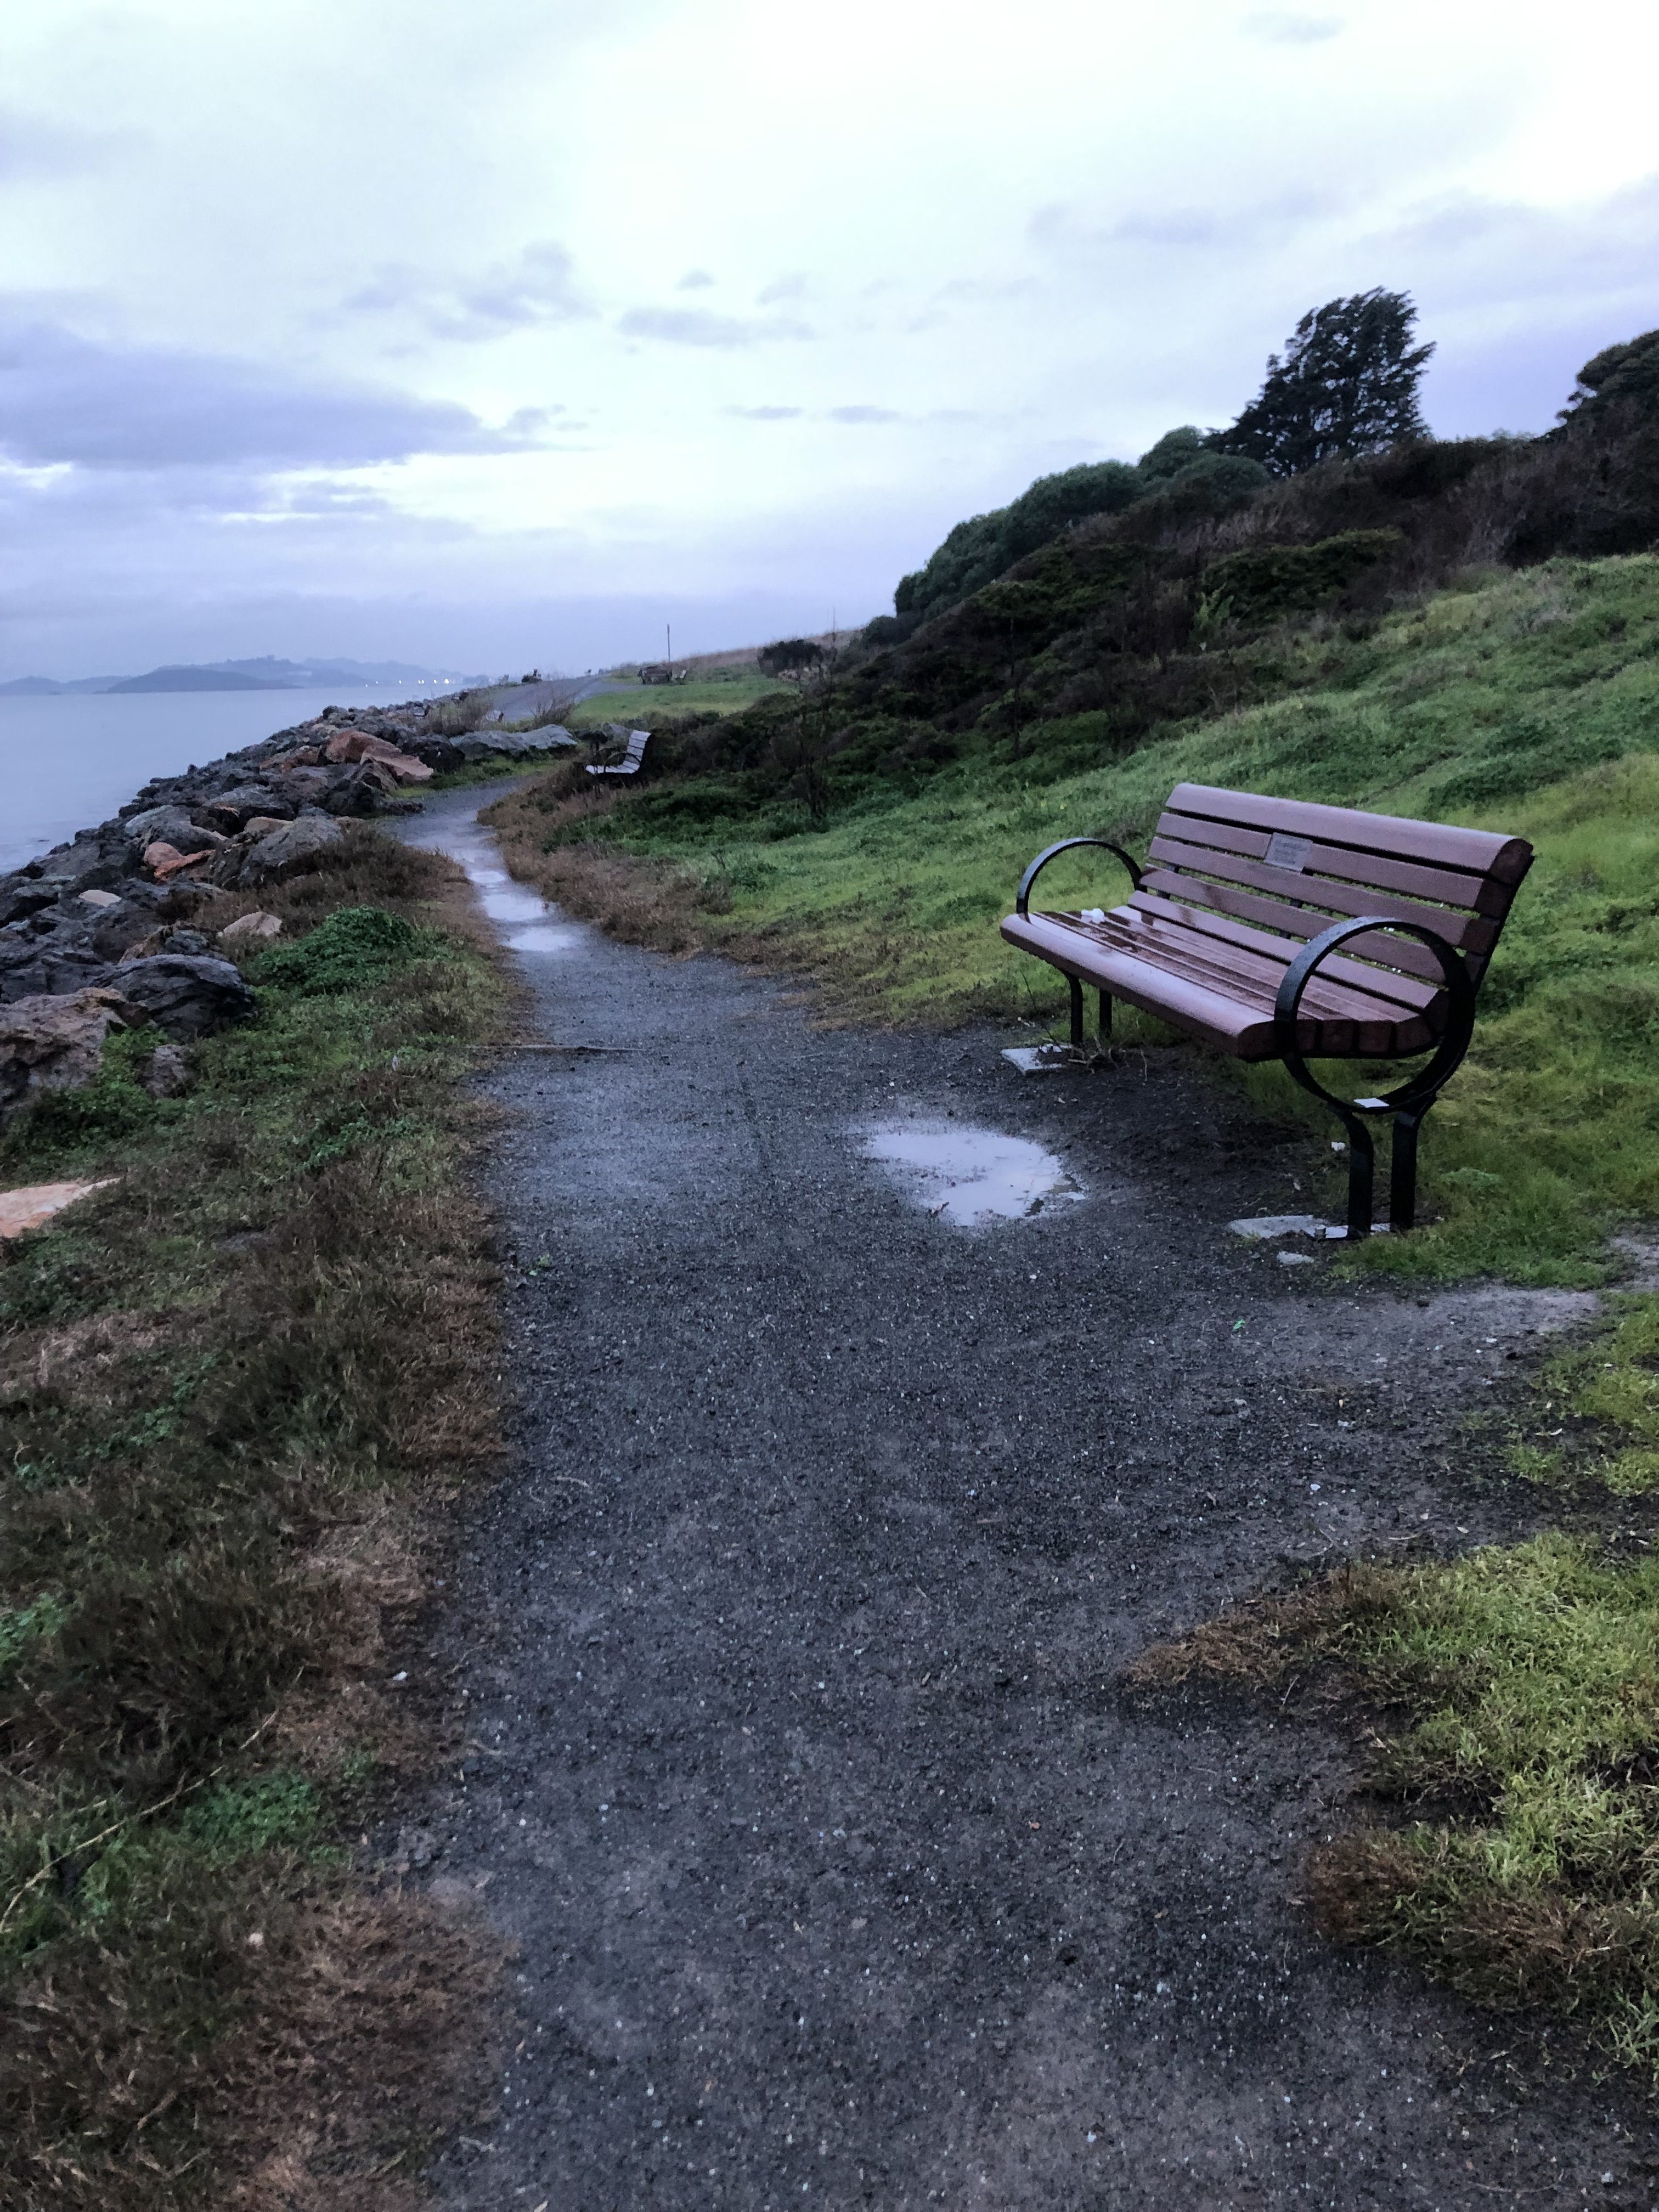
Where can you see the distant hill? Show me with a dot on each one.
(198, 679)
(268, 670)
(266, 673)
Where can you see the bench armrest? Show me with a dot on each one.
(1021, 897)
(1418, 1089)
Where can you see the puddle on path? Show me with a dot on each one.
(528, 923)
(967, 1176)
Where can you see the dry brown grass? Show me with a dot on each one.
(660, 904)
(1262, 1641)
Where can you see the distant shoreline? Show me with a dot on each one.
(266, 674)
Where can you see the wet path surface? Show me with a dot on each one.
(843, 1869)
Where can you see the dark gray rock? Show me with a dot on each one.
(137, 910)
(91, 862)
(233, 809)
(298, 845)
(438, 754)
(187, 995)
(40, 967)
(358, 791)
(22, 895)
(167, 1074)
(160, 825)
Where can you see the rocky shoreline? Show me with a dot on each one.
(137, 923)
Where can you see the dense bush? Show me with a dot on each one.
(355, 946)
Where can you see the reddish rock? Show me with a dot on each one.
(357, 745)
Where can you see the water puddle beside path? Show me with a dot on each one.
(967, 1176)
(528, 923)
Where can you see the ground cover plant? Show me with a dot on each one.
(235, 1388)
(1511, 1700)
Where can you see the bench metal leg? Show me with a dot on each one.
(1362, 1167)
(1105, 1019)
(1077, 1013)
(1402, 1172)
(1409, 1101)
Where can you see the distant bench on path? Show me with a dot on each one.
(1232, 930)
(629, 762)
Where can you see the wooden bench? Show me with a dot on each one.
(1275, 930)
(629, 762)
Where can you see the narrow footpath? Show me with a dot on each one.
(843, 1868)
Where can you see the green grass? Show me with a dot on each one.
(1515, 1702)
(1527, 702)
(231, 1385)
(1594, 1411)
(639, 704)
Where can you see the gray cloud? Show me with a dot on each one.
(863, 415)
(535, 291)
(765, 414)
(67, 398)
(781, 288)
(1266, 223)
(692, 326)
(1275, 28)
(695, 280)
(32, 147)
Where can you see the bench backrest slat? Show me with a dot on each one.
(1449, 886)
(1475, 852)
(1295, 923)
(1292, 868)
(1304, 892)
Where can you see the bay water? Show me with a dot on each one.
(68, 761)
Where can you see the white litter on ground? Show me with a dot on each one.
(1041, 1058)
(1280, 1224)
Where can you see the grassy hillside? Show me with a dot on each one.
(1527, 702)
(646, 706)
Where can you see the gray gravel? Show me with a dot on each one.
(843, 1868)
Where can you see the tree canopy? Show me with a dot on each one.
(1629, 371)
(977, 551)
(1346, 384)
(789, 656)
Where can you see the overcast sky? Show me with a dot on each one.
(504, 332)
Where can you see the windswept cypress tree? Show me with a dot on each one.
(1346, 385)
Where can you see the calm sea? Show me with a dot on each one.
(68, 762)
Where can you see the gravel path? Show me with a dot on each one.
(843, 1868)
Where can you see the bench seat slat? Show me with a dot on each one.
(1475, 894)
(1238, 971)
(1412, 994)
(1234, 1024)
(1482, 852)
(1468, 933)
